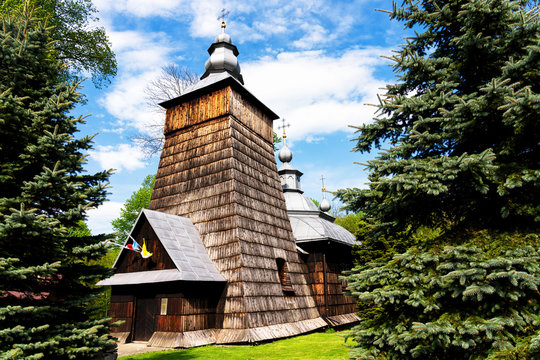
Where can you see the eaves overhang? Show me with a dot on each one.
(208, 85)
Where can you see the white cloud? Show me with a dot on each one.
(141, 8)
(127, 101)
(275, 25)
(140, 56)
(99, 220)
(113, 130)
(249, 20)
(120, 157)
(270, 17)
(205, 23)
(314, 139)
(316, 92)
(137, 51)
(315, 35)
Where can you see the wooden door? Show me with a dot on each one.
(144, 318)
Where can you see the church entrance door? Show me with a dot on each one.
(145, 312)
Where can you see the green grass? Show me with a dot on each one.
(317, 346)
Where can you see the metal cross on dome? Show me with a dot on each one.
(284, 126)
(322, 181)
(224, 14)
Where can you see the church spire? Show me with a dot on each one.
(289, 176)
(223, 54)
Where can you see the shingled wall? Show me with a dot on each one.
(218, 169)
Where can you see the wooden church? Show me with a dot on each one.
(225, 265)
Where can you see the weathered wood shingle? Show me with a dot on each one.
(218, 169)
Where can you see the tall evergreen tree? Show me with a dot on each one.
(462, 122)
(457, 192)
(452, 302)
(45, 284)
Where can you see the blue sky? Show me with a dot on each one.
(314, 63)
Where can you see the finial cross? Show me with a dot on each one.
(322, 181)
(284, 126)
(222, 16)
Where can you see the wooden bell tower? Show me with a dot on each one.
(218, 169)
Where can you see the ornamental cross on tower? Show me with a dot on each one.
(222, 16)
(322, 182)
(284, 126)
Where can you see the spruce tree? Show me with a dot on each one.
(462, 122)
(45, 284)
(455, 198)
(452, 302)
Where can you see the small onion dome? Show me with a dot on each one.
(223, 57)
(223, 37)
(324, 205)
(285, 155)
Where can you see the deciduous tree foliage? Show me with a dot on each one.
(45, 282)
(456, 195)
(79, 43)
(139, 200)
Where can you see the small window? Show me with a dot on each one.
(164, 303)
(284, 277)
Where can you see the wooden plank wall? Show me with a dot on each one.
(218, 169)
(338, 302)
(187, 314)
(194, 180)
(191, 306)
(208, 106)
(122, 309)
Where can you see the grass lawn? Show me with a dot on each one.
(317, 346)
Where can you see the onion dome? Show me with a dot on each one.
(324, 205)
(223, 57)
(285, 155)
(223, 37)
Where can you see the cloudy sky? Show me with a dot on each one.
(315, 63)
